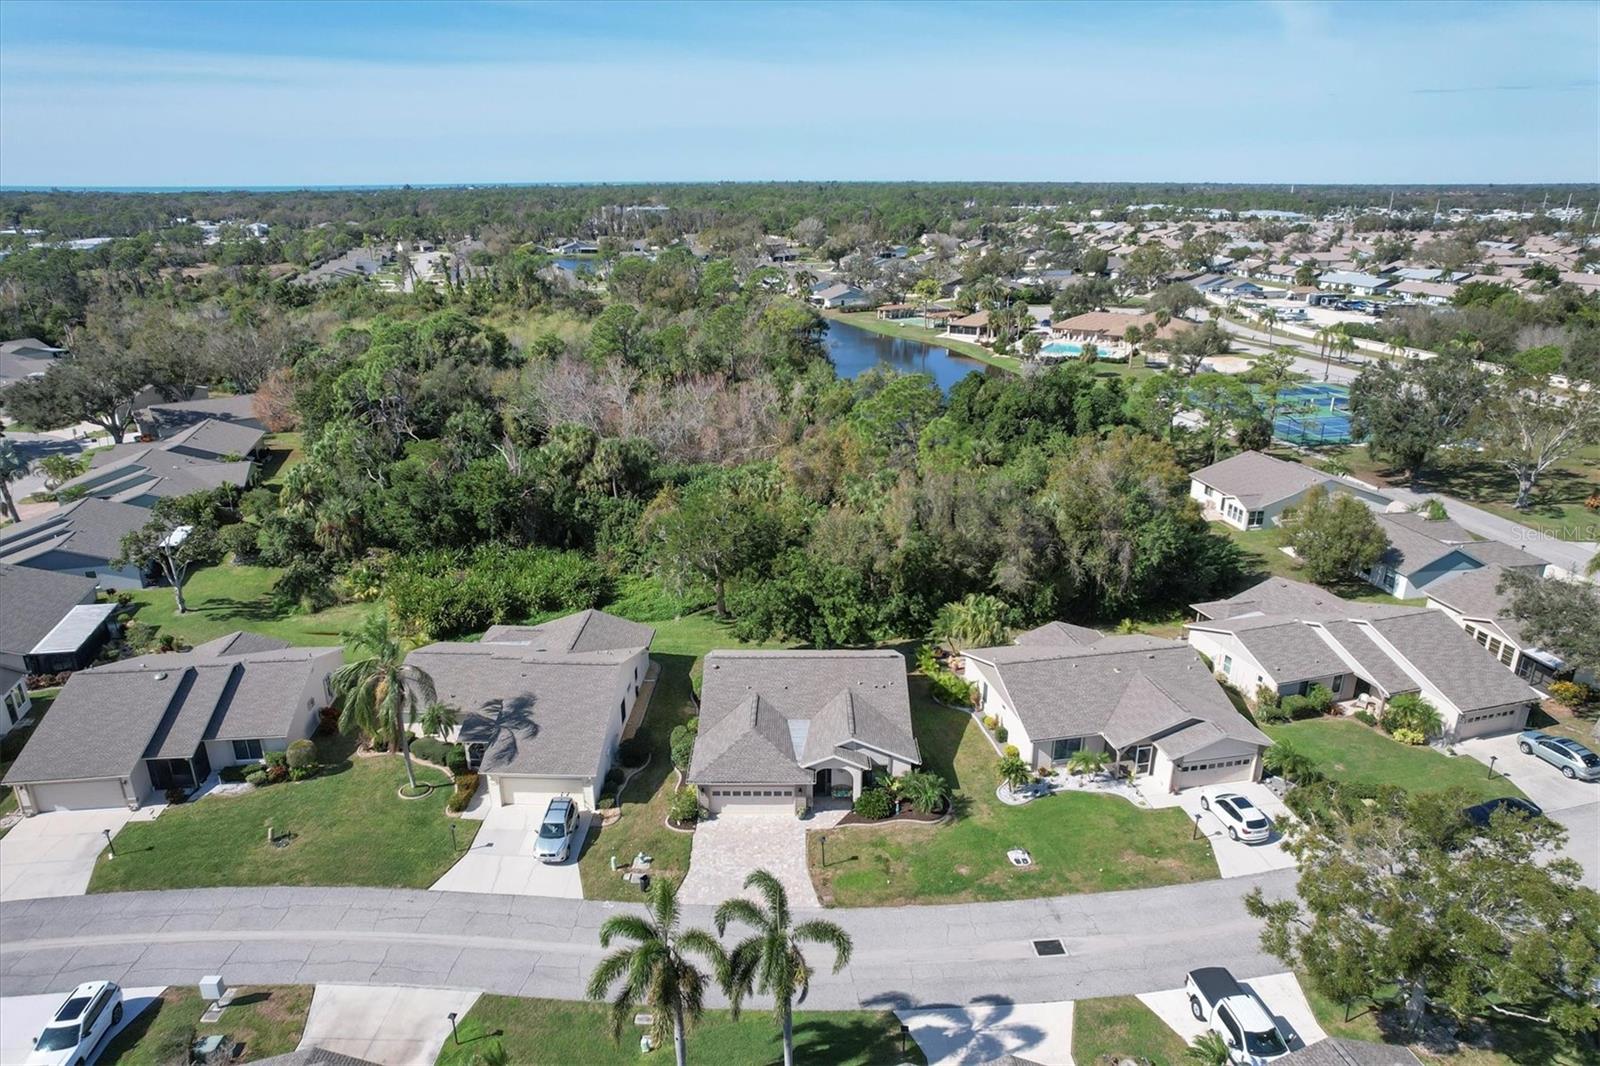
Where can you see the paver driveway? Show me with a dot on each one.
(728, 847)
(384, 1024)
(501, 857)
(53, 854)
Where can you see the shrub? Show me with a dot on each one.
(1273, 712)
(176, 796)
(231, 775)
(140, 636)
(1411, 712)
(446, 593)
(685, 806)
(239, 541)
(1000, 733)
(302, 755)
(327, 721)
(1570, 693)
(615, 776)
(1410, 736)
(466, 785)
(873, 804)
(605, 803)
(256, 777)
(1319, 700)
(175, 1045)
(276, 773)
(1365, 717)
(302, 773)
(430, 750)
(455, 760)
(275, 758)
(633, 752)
(1011, 751)
(683, 743)
(989, 722)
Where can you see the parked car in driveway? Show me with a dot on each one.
(1480, 814)
(557, 831)
(1242, 819)
(1235, 1014)
(80, 1024)
(1573, 759)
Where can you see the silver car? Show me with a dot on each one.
(1575, 761)
(557, 830)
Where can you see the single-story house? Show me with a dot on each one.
(840, 296)
(25, 357)
(975, 326)
(1355, 281)
(50, 624)
(543, 707)
(1252, 490)
(1278, 595)
(893, 311)
(784, 730)
(1425, 292)
(1424, 550)
(1473, 601)
(79, 538)
(122, 734)
(1150, 703)
(1376, 651)
(149, 472)
(166, 419)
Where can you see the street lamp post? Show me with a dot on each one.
(453, 847)
(454, 1036)
(822, 842)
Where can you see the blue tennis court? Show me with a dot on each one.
(1313, 413)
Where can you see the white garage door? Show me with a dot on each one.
(538, 790)
(1218, 771)
(78, 795)
(751, 800)
(1487, 723)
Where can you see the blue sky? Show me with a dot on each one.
(365, 93)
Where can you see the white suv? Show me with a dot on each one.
(1242, 819)
(81, 1023)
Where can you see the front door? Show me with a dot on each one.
(1143, 757)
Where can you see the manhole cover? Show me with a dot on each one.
(1048, 947)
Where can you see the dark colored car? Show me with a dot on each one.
(1480, 814)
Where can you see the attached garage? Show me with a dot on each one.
(1508, 719)
(99, 794)
(754, 800)
(519, 790)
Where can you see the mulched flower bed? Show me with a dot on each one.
(907, 815)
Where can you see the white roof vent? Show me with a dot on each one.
(161, 676)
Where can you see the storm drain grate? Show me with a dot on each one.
(1048, 947)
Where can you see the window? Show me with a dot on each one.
(1227, 664)
(1507, 653)
(1257, 518)
(624, 710)
(1337, 683)
(246, 749)
(1064, 748)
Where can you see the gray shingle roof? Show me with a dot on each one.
(1372, 662)
(217, 437)
(1336, 1051)
(539, 697)
(1415, 541)
(1286, 648)
(1512, 557)
(1118, 687)
(315, 1056)
(168, 418)
(1258, 480)
(765, 715)
(108, 718)
(1476, 594)
(1279, 595)
(90, 528)
(1059, 633)
(1441, 651)
(152, 470)
(33, 601)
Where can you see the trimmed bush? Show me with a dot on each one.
(1410, 736)
(1000, 733)
(1570, 693)
(302, 773)
(231, 775)
(605, 803)
(685, 806)
(683, 743)
(256, 777)
(615, 776)
(302, 755)
(989, 722)
(873, 804)
(466, 785)
(1011, 750)
(275, 759)
(633, 752)
(455, 760)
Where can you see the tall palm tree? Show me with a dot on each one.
(12, 466)
(1269, 317)
(656, 972)
(437, 720)
(770, 960)
(381, 694)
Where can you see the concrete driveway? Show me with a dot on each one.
(986, 1032)
(1542, 782)
(23, 1017)
(384, 1024)
(1280, 992)
(731, 845)
(501, 858)
(53, 854)
(1235, 858)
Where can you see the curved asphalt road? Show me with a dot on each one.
(1117, 943)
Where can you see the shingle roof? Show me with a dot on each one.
(1258, 480)
(34, 601)
(1512, 557)
(217, 437)
(582, 631)
(766, 715)
(1286, 648)
(90, 528)
(315, 1056)
(167, 418)
(1337, 1051)
(1279, 595)
(162, 706)
(1415, 541)
(1371, 661)
(151, 470)
(1055, 634)
(1441, 651)
(1117, 686)
(1476, 594)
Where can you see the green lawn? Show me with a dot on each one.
(226, 597)
(349, 828)
(1347, 750)
(1079, 842)
(554, 1032)
(679, 646)
(268, 1021)
(1262, 547)
(283, 450)
(1121, 1027)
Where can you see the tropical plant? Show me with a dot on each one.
(13, 465)
(925, 791)
(1208, 1049)
(1411, 711)
(1289, 763)
(771, 961)
(1084, 761)
(1014, 773)
(437, 720)
(974, 621)
(381, 694)
(656, 972)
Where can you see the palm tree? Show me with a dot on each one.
(437, 720)
(1207, 1050)
(12, 466)
(923, 790)
(1084, 761)
(381, 694)
(770, 961)
(1014, 773)
(1269, 317)
(974, 621)
(656, 972)
(1089, 353)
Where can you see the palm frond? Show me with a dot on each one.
(626, 926)
(771, 890)
(738, 909)
(826, 933)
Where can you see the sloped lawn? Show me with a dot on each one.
(349, 828)
(1079, 842)
(1351, 752)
